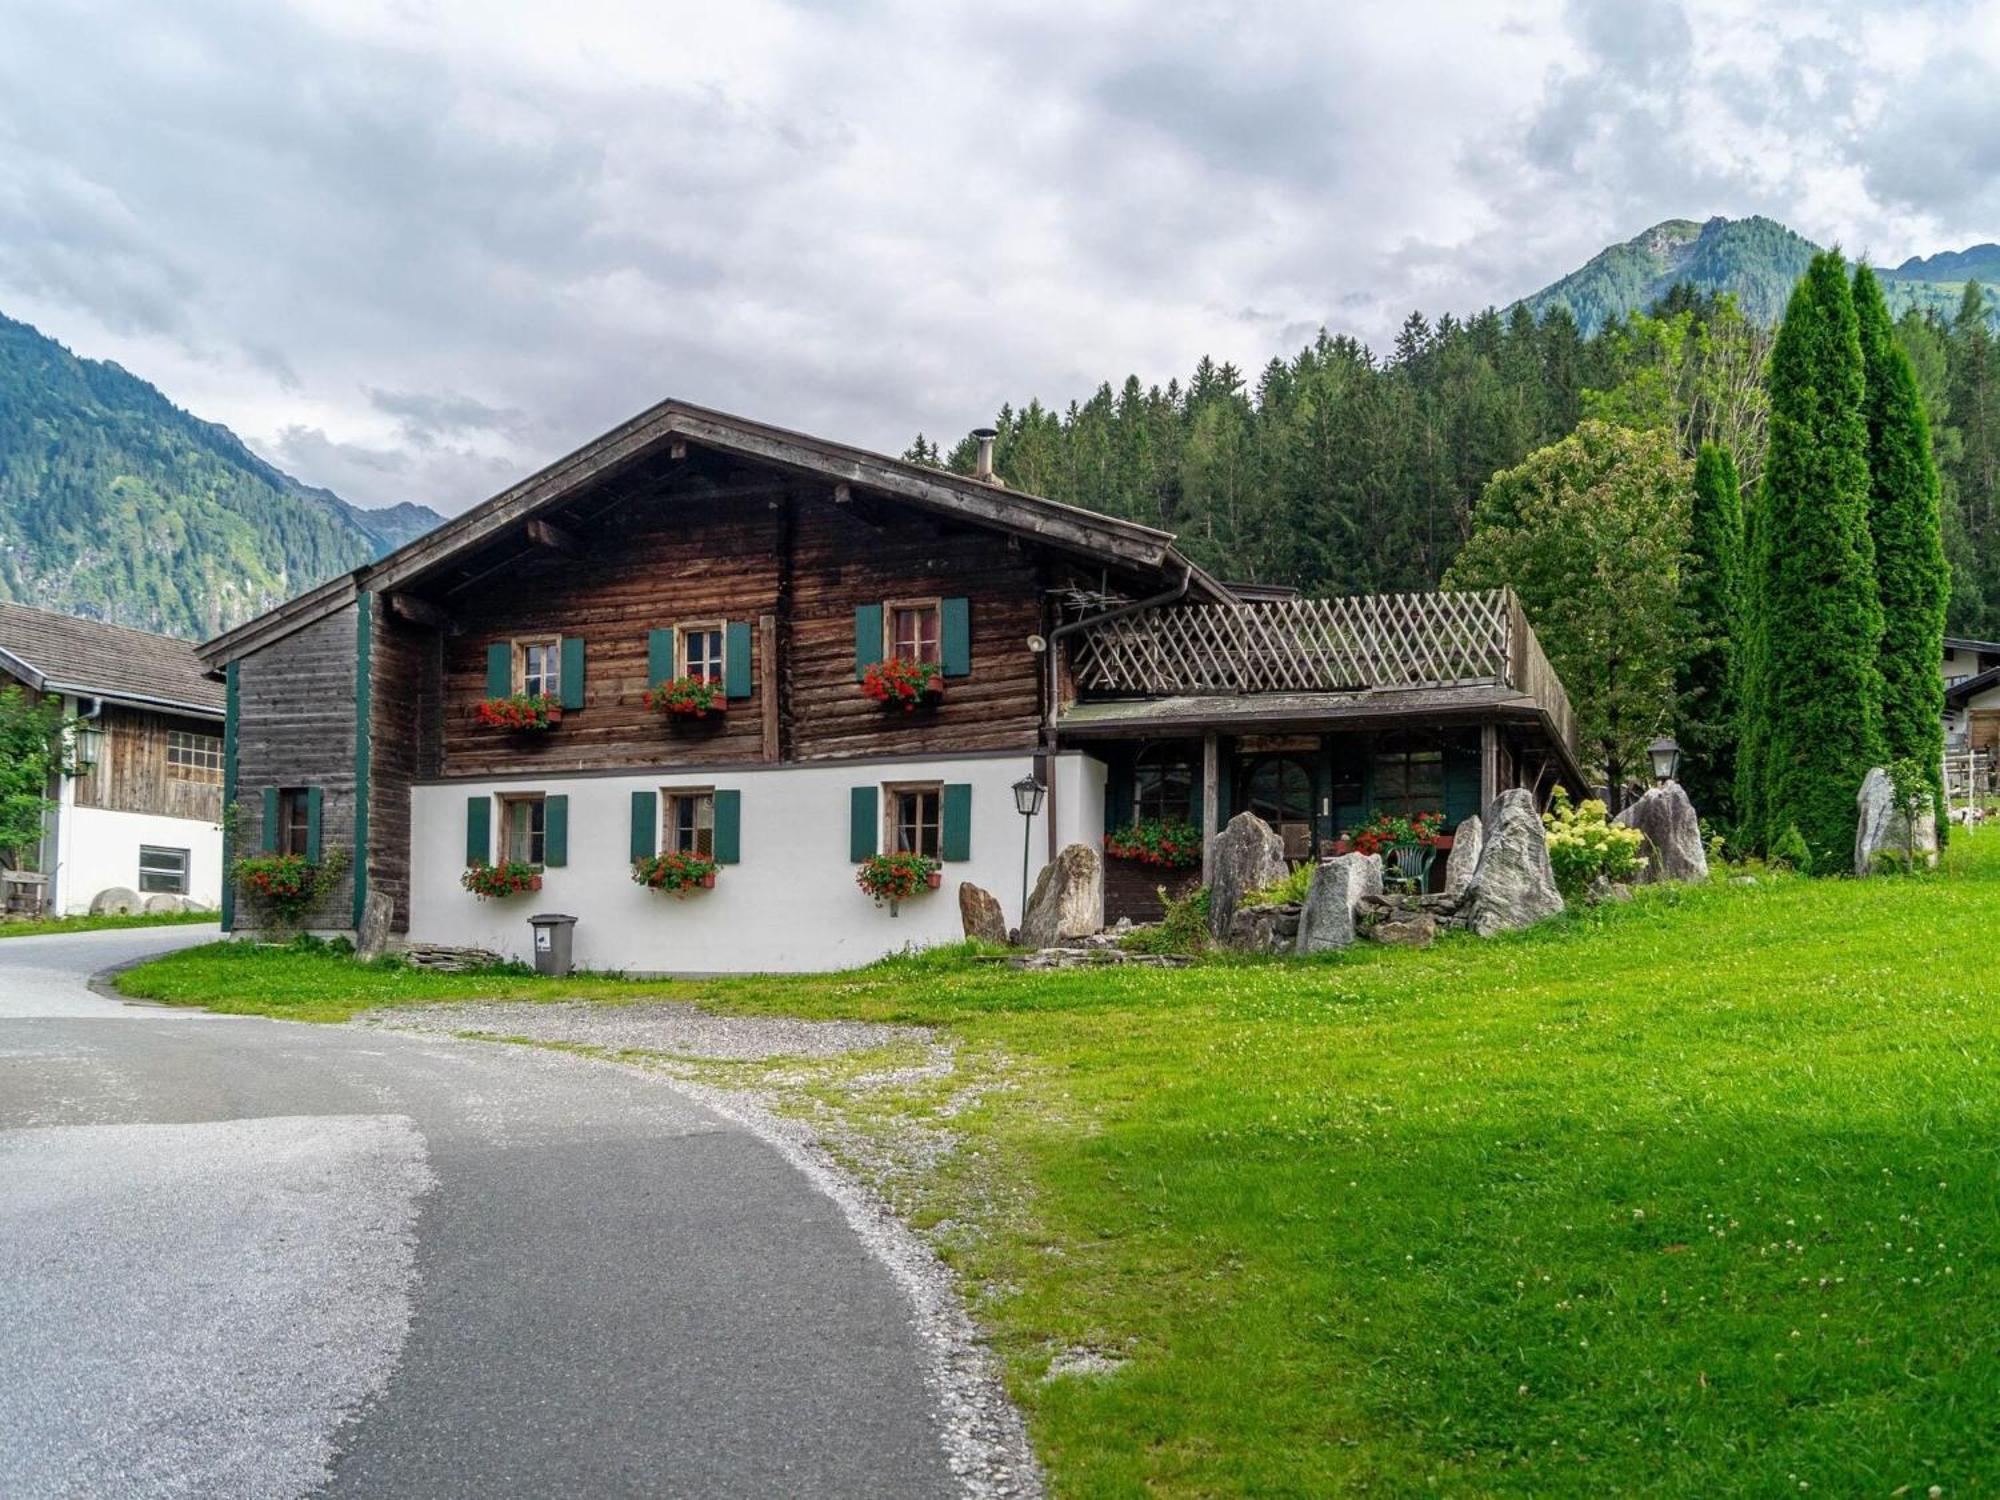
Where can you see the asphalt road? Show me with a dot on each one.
(251, 1258)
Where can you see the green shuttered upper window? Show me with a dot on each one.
(537, 667)
(928, 630)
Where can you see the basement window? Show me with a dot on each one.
(162, 871)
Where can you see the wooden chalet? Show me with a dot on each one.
(1080, 649)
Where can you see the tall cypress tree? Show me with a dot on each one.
(1820, 617)
(1712, 608)
(1910, 573)
(1752, 657)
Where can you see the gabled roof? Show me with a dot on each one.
(1126, 545)
(55, 653)
(1959, 693)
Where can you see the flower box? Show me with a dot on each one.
(676, 873)
(688, 699)
(900, 683)
(527, 713)
(1163, 844)
(491, 882)
(893, 878)
(1388, 829)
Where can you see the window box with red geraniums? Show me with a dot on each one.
(527, 712)
(897, 877)
(687, 698)
(1390, 829)
(1160, 842)
(899, 682)
(509, 879)
(675, 872)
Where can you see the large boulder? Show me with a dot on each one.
(1673, 835)
(1882, 827)
(378, 919)
(1338, 886)
(1512, 885)
(1463, 859)
(118, 901)
(1068, 900)
(1248, 856)
(979, 913)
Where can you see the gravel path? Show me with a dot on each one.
(668, 1026)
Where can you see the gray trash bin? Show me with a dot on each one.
(552, 935)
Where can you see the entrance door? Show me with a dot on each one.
(1279, 789)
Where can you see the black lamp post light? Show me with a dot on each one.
(1028, 794)
(1665, 753)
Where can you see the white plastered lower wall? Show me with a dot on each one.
(790, 904)
(99, 849)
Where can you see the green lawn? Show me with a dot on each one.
(41, 926)
(1695, 1196)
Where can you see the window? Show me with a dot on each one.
(295, 821)
(915, 824)
(913, 630)
(523, 830)
(690, 821)
(194, 757)
(163, 870)
(1408, 782)
(538, 668)
(701, 652)
(1163, 784)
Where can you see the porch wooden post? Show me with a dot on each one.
(1489, 766)
(1211, 800)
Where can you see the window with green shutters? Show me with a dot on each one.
(292, 818)
(930, 630)
(541, 667)
(719, 651)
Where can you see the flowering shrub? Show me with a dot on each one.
(507, 879)
(1389, 829)
(686, 697)
(679, 873)
(1584, 844)
(1164, 843)
(897, 877)
(288, 883)
(521, 711)
(902, 683)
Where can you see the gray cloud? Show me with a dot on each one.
(413, 252)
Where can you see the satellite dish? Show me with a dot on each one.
(1037, 645)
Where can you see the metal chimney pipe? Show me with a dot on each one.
(983, 468)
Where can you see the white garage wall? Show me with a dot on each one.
(99, 849)
(790, 905)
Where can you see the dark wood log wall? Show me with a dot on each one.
(296, 728)
(405, 670)
(133, 776)
(793, 568)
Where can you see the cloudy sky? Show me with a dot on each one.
(414, 249)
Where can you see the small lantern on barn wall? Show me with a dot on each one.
(1665, 753)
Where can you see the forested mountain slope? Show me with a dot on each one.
(115, 503)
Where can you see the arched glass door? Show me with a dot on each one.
(1279, 789)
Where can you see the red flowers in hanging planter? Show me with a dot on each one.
(899, 682)
(522, 711)
(508, 879)
(1389, 830)
(687, 698)
(897, 877)
(679, 873)
(1163, 844)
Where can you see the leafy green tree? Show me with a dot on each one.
(30, 758)
(1712, 621)
(1817, 614)
(1910, 574)
(1591, 532)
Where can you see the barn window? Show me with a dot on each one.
(194, 757)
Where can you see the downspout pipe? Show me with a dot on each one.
(1056, 636)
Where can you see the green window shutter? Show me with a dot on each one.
(645, 824)
(867, 639)
(660, 666)
(572, 671)
(955, 637)
(270, 830)
(555, 831)
(736, 660)
(1461, 784)
(955, 832)
(315, 805)
(728, 827)
(862, 822)
(478, 830)
(499, 670)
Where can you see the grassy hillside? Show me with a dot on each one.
(116, 504)
(1758, 259)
